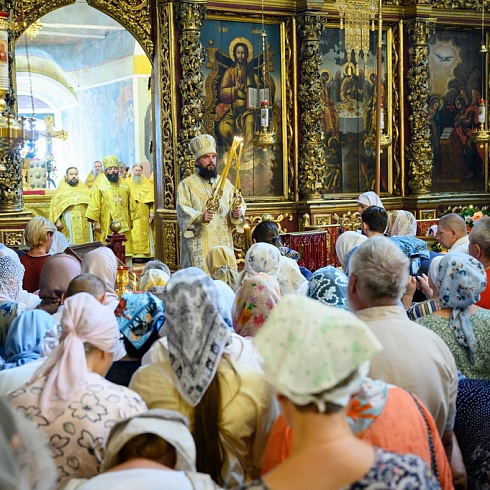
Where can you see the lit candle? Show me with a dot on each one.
(482, 112)
(382, 124)
(231, 155)
(247, 238)
(237, 169)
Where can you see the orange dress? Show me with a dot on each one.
(399, 427)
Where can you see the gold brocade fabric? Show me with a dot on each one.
(69, 205)
(143, 194)
(197, 237)
(113, 202)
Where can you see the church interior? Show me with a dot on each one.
(342, 98)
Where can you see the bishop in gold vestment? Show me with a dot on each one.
(143, 194)
(112, 201)
(202, 228)
(68, 207)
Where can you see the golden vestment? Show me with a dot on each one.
(198, 237)
(69, 205)
(90, 180)
(143, 194)
(113, 202)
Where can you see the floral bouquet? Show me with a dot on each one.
(470, 214)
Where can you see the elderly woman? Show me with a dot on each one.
(102, 263)
(367, 199)
(229, 406)
(459, 322)
(68, 397)
(57, 273)
(221, 263)
(11, 275)
(346, 242)
(329, 286)
(154, 450)
(39, 237)
(255, 299)
(316, 364)
(266, 258)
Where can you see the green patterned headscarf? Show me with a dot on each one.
(309, 348)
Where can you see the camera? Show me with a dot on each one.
(415, 265)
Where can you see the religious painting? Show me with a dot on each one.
(455, 88)
(244, 94)
(349, 96)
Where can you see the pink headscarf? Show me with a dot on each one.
(84, 320)
(255, 299)
(102, 263)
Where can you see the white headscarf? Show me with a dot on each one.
(401, 223)
(370, 198)
(102, 263)
(346, 242)
(309, 348)
(11, 276)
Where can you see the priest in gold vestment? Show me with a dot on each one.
(94, 173)
(143, 194)
(201, 228)
(112, 201)
(68, 207)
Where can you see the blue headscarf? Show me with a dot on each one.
(411, 245)
(25, 336)
(461, 280)
(329, 286)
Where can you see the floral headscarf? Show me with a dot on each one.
(197, 333)
(461, 280)
(309, 348)
(329, 285)
(263, 257)
(411, 245)
(255, 299)
(401, 223)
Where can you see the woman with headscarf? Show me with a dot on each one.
(266, 258)
(68, 397)
(221, 263)
(102, 263)
(255, 299)
(401, 223)
(346, 242)
(11, 276)
(329, 286)
(316, 364)
(25, 349)
(153, 450)
(229, 407)
(57, 273)
(367, 199)
(459, 322)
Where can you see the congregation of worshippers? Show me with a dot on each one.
(262, 375)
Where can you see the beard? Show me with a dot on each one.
(114, 178)
(206, 173)
(137, 179)
(73, 182)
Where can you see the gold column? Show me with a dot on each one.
(419, 155)
(190, 16)
(312, 160)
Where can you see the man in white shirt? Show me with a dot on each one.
(452, 234)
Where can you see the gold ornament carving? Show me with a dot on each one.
(191, 16)
(312, 149)
(289, 110)
(432, 214)
(396, 113)
(12, 238)
(166, 126)
(419, 151)
(170, 240)
(11, 183)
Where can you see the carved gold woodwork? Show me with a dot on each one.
(165, 126)
(11, 183)
(419, 154)
(428, 214)
(191, 16)
(397, 111)
(170, 234)
(277, 219)
(12, 238)
(312, 149)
